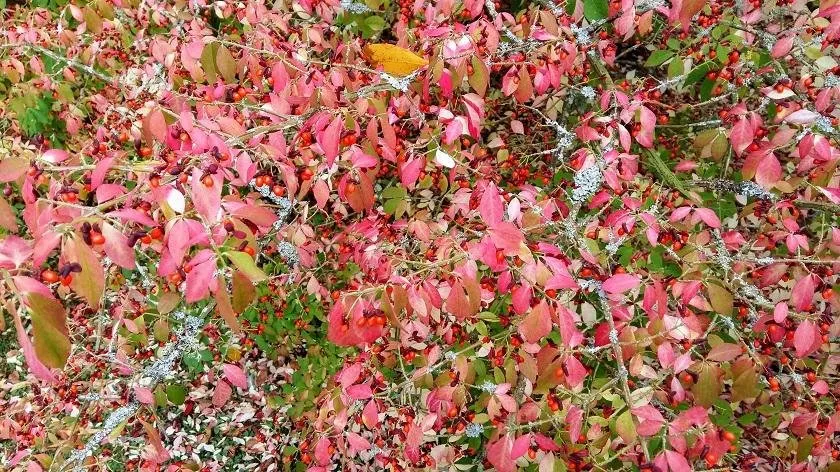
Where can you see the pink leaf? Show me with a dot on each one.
(322, 453)
(155, 123)
(55, 156)
(574, 418)
(359, 391)
(769, 171)
(804, 336)
(647, 120)
(677, 462)
(499, 454)
(724, 352)
(782, 47)
(357, 443)
(235, 375)
(207, 200)
(780, 312)
(709, 217)
(410, 171)
(200, 278)
(575, 371)
(329, 139)
(370, 415)
(144, 395)
(117, 248)
(520, 446)
(820, 387)
(521, 298)
(491, 207)
(803, 293)
(741, 135)
(620, 283)
(802, 117)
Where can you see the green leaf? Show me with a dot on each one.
(90, 282)
(720, 298)
(625, 427)
(246, 264)
(49, 330)
(479, 78)
(708, 386)
(226, 64)
(208, 61)
(373, 25)
(658, 57)
(176, 394)
(595, 9)
(696, 74)
(676, 68)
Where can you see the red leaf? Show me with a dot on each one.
(235, 375)
(457, 302)
(620, 283)
(536, 325)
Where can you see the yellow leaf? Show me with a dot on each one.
(393, 59)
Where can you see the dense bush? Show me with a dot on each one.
(446, 235)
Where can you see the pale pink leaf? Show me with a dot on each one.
(620, 283)
(144, 395)
(235, 375)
